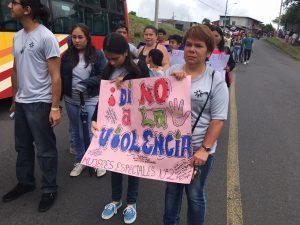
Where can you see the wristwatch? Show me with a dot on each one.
(206, 148)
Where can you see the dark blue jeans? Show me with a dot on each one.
(132, 190)
(32, 126)
(195, 197)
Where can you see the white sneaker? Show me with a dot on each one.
(248, 62)
(78, 168)
(100, 172)
(245, 63)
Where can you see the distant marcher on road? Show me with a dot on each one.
(120, 67)
(247, 43)
(81, 70)
(207, 85)
(123, 30)
(36, 88)
(237, 44)
(150, 39)
(294, 38)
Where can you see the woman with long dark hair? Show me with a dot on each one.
(220, 48)
(81, 70)
(120, 67)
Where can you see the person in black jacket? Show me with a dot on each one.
(120, 67)
(81, 70)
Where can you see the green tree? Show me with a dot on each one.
(292, 15)
(267, 28)
(206, 21)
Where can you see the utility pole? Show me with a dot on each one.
(224, 24)
(279, 18)
(173, 19)
(156, 13)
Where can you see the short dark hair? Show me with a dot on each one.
(121, 25)
(115, 43)
(38, 11)
(161, 30)
(156, 56)
(202, 33)
(176, 37)
(152, 28)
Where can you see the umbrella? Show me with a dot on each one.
(85, 126)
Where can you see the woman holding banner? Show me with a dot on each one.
(120, 67)
(209, 97)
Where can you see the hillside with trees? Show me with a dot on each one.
(137, 24)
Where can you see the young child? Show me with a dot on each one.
(175, 42)
(154, 61)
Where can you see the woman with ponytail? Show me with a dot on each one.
(120, 67)
(36, 85)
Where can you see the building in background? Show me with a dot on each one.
(178, 24)
(247, 24)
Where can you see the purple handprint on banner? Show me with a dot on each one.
(178, 116)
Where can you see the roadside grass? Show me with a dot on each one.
(294, 53)
(137, 25)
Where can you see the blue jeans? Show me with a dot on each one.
(73, 112)
(195, 192)
(132, 190)
(32, 126)
(237, 54)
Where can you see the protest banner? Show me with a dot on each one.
(176, 57)
(144, 129)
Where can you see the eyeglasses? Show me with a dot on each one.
(14, 2)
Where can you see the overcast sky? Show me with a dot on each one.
(196, 10)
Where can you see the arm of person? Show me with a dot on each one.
(213, 132)
(166, 58)
(231, 62)
(94, 127)
(14, 87)
(54, 70)
(218, 111)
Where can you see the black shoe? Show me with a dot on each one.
(17, 191)
(47, 201)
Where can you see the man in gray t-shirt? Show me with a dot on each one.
(36, 87)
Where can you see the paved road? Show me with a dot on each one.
(268, 115)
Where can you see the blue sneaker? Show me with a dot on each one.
(130, 214)
(110, 210)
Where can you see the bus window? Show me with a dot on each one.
(103, 4)
(65, 15)
(7, 23)
(120, 6)
(112, 5)
(114, 20)
(97, 22)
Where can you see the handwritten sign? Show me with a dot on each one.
(144, 129)
(176, 57)
(218, 62)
